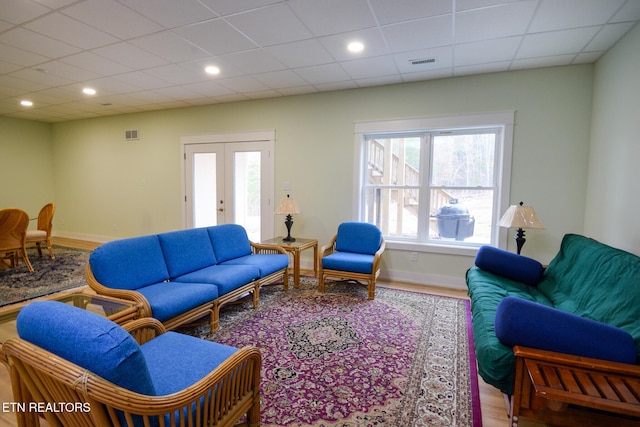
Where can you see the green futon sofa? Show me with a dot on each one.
(586, 302)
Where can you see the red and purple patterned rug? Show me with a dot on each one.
(337, 359)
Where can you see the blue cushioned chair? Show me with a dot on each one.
(105, 376)
(354, 254)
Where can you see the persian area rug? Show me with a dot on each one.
(66, 271)
(337, 359)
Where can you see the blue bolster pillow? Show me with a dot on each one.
(509, 265)
(530, 324)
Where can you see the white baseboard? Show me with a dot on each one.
(457, 283)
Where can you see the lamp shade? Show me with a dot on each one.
(520, 216)
(287, 206)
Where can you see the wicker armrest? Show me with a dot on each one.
(144, 329)
(327, 249)
(125, 294)
(261, 248)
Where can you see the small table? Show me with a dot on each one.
(119, 310)
(295, 248)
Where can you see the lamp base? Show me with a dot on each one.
(519, 238)
(288, 223)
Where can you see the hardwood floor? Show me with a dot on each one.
(494, 410)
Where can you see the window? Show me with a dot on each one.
(435, 181)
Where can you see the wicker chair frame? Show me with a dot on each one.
(212, 308)
(43, 232)
(369, 278)
(221, 398)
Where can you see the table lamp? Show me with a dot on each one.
(287, 207)
(520, 217)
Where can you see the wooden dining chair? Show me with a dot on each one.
(43, 233)
(13, 234)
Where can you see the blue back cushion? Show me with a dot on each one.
(87, 340)
(187, 250)
(129, 263)
(358, 237)
(530, 324)
(509, 265)
(229, 241)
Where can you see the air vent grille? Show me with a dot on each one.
(422, 61)
(131, 135)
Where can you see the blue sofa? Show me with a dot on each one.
(181, 276)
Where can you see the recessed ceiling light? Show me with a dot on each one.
(355, 47)
(89, 91)
(26, 103)
(212, 69)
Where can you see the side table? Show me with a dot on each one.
(295, 248)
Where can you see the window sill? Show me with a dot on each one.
(461, 250)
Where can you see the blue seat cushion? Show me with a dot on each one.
(358, 237)
(509, 265)
(225, 277)
(266, 263)
(186, 250)
(170, 299)
(177, 361)
(229, 241)
(129, 263)
(87, 340)
(346, 261)
(530, 324)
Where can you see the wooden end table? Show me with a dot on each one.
(295, 248)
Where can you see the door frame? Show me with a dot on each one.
(265, 136)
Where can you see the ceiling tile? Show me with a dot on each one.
(92, 62)
(257, 60)
(18, 12)
(629, 12)
(608, 36)
(420, 34)
(389, 12)
(301, 54)
(555, 42)
(112, 17)
(176, 74)
(209, 88)
(36, 43)
(66, 29)
(171, 13)
(142, 80)
(480, 24)
(324, 17)
(319, 74)
(281, 79)
(547, 61)
(130, 55)
(486, 51)
(228, 7)
(20, 57)
(169, 46)
(216, 37)
(556, 15)
(243, 84)
(283, 25)
(71, 72)
(370, 67)
(493, 67)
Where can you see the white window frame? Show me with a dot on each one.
(502, 119)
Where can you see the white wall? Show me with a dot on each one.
(104, 182)
(613, 205)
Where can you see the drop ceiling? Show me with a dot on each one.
(142, 55)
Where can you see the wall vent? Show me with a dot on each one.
(422, 61)
(131, 135)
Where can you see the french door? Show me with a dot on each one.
(229, 179)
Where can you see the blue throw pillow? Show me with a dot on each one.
(530, 324)
(509, 265)
(87, 340)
